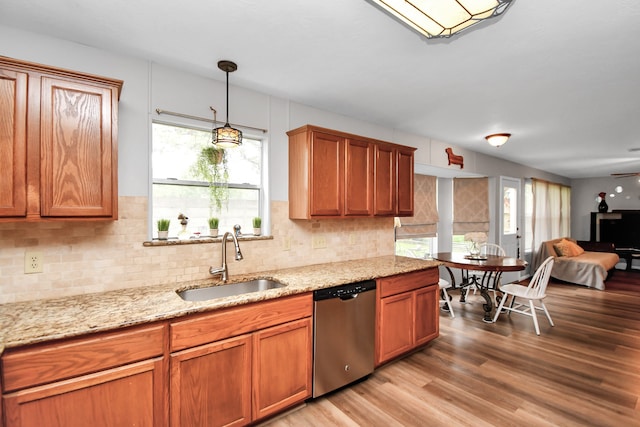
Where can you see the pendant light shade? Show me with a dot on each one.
(442, 18)
(497, 139)
(227, 136)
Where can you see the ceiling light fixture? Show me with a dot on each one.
(497, 139)
(226, 136)
(442, 18)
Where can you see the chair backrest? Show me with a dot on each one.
(492, 249)
(538, 284)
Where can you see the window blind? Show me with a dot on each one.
(470, 205)
(424, 222)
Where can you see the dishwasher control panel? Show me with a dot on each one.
(344, 291)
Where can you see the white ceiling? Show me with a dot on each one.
(561, 76)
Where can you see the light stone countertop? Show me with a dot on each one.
(32, 322)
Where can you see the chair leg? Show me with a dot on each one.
(535, 318)
(544, 307)
(447, 301)
(499, 309)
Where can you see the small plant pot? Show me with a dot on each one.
(213, 232)
(257, 231)
(163, 235)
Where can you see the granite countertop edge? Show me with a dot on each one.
(32, 322)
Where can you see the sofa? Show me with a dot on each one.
(579, 262)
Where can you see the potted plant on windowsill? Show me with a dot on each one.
(211, 166)
(213, 226)
(163, 228)
(257, 226)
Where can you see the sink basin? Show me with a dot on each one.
(221, 291)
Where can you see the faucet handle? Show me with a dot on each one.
(236, 229)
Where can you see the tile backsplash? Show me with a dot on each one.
(86, 257)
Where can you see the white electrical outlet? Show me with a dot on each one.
(352, 239)
(32, 262)
(286, 245)
(318, 242)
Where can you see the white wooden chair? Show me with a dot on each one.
(446, 299)
(486, 249)
(535, 291)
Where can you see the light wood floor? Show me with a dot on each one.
(585, 371)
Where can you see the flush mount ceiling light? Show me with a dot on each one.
(442, 18)
(497, 139)
(226, 136)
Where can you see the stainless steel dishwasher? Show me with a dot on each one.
(344, 335)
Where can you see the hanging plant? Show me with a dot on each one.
(211, 166)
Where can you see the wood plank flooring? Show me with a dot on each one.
(585, 371)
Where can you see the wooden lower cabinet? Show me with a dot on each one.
(427, 315)
(407, 313)
(101, 380)
(396, 329)
(211, 384)
(239, 380)
(281, 366)
(131, 395)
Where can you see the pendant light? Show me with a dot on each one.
(226, 136)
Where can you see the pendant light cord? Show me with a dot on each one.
(227, 98)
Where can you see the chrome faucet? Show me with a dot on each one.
(224, 271)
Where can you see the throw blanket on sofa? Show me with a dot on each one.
(589, 268)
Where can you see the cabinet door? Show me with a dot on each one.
(384, 197)
(79, 164)
(405, 182)
(281, 366)
(211, 384)
(326, 174)
(131, 395)
(427, 319)
(358, 177)
(13, 143)
(395, 326)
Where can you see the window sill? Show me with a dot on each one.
(172, 241)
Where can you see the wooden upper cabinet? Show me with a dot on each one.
(358, 199)
(77, 149)
(59, 143)
(13, 142)
(393, 180)
(385, 180)
(327, 171)
(336, 174)
(404, 177)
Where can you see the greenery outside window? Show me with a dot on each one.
(416, 247)
(189, 176)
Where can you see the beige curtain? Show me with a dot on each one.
(470, 205)
(424, 222)
(551, 215)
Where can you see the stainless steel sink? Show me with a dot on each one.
(221, 291)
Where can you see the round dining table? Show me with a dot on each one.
(483, 271)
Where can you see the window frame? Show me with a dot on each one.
(262, 188)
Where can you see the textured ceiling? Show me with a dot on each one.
(561, 76)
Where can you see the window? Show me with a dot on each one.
(417, 247)
(187, 179)
(470, 212)
(416, 235)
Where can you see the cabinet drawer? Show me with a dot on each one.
(45, 363)
(407, 282)
(232, 321)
